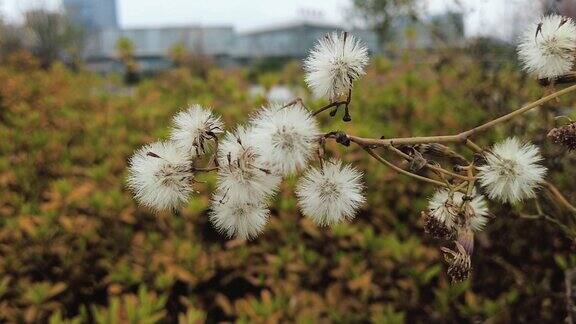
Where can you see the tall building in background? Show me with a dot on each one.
(93, 14)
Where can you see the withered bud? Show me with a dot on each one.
(435, 228)
(440, 151)
(418, 162)
(459, 263)
(342, 138)
(565, 136)
(479, 159)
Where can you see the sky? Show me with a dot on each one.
(483, 17)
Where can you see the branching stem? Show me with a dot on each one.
(462, 137)
(559, 197)
(402, 171)
(428, 165)
(336, 104)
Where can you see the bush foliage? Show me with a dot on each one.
(75, 247)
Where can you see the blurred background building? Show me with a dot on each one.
(152, 46)
(92, 15)
(88, 33)
(290, 40)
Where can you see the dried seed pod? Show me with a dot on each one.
(459, 263)
(565, 136)
(436, 228)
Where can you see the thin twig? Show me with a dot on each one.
(402, 171)
(473, 146)
(559, 197)
(428, 165)
(294, 102)
(328, 106)
(337, 104)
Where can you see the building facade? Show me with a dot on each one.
(292, 40)
(153, 45)
(92, 14)
(286, 41)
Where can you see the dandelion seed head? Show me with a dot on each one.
(239, 219)
(335, 62)
(160, 176)
(244, 174)
(445, 206)
(286, 136)
(194, 128)
(332, 194)
(547, 48)
(512, 172)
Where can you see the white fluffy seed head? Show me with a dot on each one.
(287, 137)
(512, 172)
(331, 194)
(160, 176)
(194, 128)
(446, 206)
(547, 49)
(238, 219)
(335, 62)
(243, 174)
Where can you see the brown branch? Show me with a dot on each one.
(463, 136)
(473, 146)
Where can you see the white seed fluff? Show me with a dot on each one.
(286, 137)
(335, 62)
(331, 194)
(512, 172)
(243, 174)
(445, 207)
(160, 176)
(194, 127)
(239, 219)
(547, 48)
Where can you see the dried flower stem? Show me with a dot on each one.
(541, 215)
(463, 136)
(293, 102)
(402, 171)
(335, 104)
(428, 165)
(559, 197)
(553, 221)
